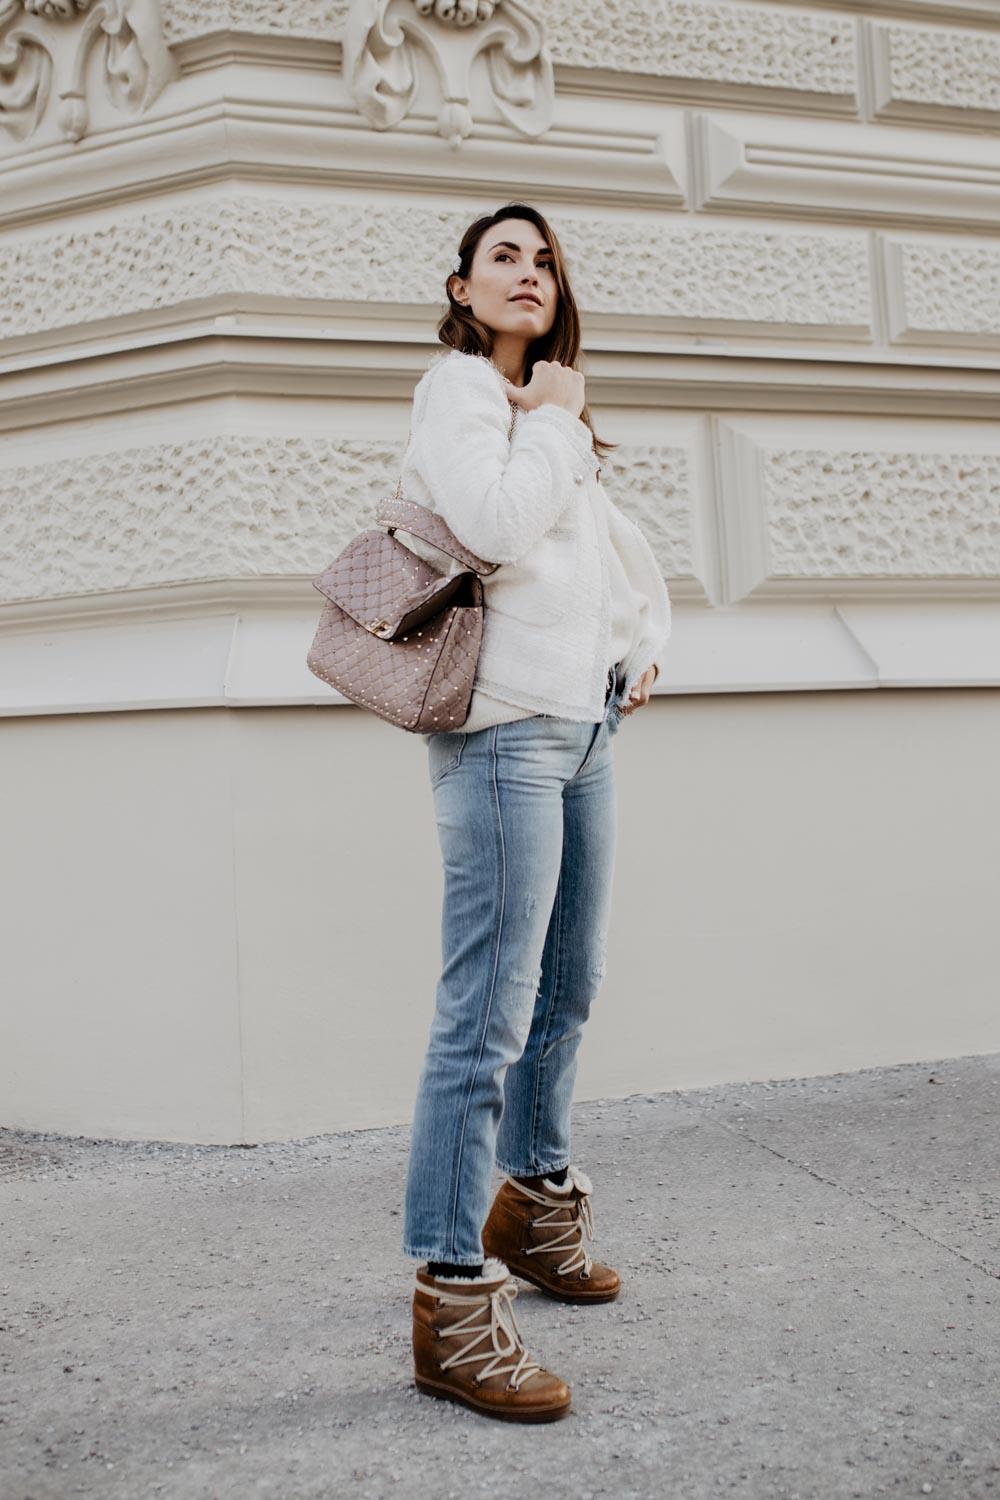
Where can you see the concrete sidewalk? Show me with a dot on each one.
(810, 1309)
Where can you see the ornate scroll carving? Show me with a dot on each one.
(45, 46)
(381, 38)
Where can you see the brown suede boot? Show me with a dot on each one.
(467, 1347)
(536, 1228)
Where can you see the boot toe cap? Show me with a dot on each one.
(543, 1392)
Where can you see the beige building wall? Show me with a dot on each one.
(229, 928)
(224, 232)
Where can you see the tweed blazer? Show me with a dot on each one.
(535, 504)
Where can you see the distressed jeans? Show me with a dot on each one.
(527, 823)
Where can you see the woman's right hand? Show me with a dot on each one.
(560, 385)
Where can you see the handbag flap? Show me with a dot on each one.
(384, 586)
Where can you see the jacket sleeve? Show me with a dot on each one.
(498, 498)
(654, 601)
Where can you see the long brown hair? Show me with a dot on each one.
(461, 329)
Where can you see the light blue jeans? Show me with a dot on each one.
(527, 822)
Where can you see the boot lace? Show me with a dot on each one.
(500, 1323)
(568, 1236)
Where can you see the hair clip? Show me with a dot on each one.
(456, 264)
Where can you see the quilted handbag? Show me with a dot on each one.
(395, 635)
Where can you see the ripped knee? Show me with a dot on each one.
(529, 981)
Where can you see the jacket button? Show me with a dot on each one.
(578, 477)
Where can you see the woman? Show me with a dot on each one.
(575, 618)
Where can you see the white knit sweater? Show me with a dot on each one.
(626, 614)
(579, 588)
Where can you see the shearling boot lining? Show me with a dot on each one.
(493, 1270)
(567, 1233)
(575, 1178)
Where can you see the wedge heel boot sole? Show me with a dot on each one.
(448, 1393)
(577, 1298)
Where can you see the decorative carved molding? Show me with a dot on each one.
(45, 48)
(382, 38)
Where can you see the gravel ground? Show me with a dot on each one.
(810, 1309)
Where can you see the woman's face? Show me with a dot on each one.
(511, 265)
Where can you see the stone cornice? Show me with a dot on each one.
(321, 142)
(222, 49)
(945, 12)
(379, 86)
(852, 174)
(240, 645)
(283, 598)
(204, 361)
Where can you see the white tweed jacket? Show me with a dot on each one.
(535, 505)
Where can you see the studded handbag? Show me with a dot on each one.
(396, 635)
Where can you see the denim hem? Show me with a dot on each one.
(442, 1258)
(532, 1171)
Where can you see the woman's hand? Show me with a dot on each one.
(550, 381)
(642, 689)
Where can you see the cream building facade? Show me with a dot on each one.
(224, 232)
